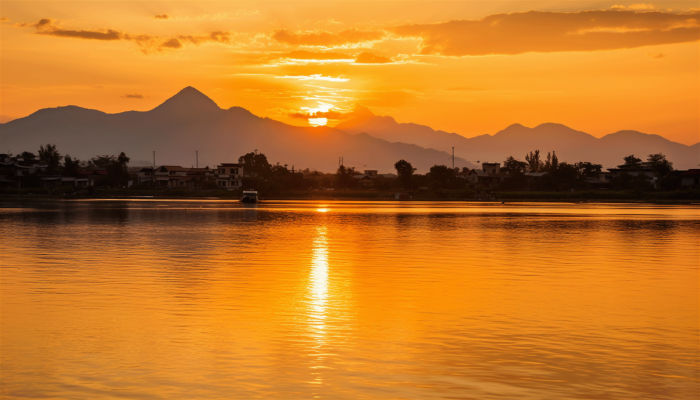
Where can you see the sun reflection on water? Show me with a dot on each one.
(319, 281)
(318, 290)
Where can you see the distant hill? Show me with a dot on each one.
(191, 121)
(517, 140)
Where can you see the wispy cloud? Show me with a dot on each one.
(315, 77)
(148, 43)
(210, 17)
(331, 114)
(635, 7)
(370, 58)
(328, 39)
(544, 32)
(133, 96)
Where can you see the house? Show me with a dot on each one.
(172, 176)
(229, 176)
(371, 177)
(146, 174)
(690, 179)
(490, 175)
(643, 168)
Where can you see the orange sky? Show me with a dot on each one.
(465, 67)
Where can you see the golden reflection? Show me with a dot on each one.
(323, 209)
(319, 282)
(318, 290)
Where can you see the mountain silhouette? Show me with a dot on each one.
(517, 140)
(190, 121)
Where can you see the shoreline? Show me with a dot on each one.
(672, 197)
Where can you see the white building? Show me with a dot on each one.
(229, 176)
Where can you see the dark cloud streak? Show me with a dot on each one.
(545, 32)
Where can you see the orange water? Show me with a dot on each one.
(348, 300)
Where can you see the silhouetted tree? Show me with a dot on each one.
(514, 166)
(659, 164)
(117, 171)
(102, 161)
(441, 177)
(344, 177)
(71, 166)
(404, 170)
(588, 170)
(534, 162)
(516, 171)
(256, 164)
(632, 161)
(28, 158)
(51, 157)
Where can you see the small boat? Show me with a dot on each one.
(249, 196)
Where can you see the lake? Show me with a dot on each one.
(151, 299)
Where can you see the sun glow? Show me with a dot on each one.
(318, 121)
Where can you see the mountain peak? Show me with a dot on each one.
(361, 111)
(188, 100)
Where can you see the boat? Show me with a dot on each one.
(249, 196)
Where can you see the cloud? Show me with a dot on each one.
(330, 114)
(656, 55)
(172, 43)
(46, 26)
(133, 96)
(148, 43)
(635, 7)
(4, 19)
(369, 58)
(545, 32)
(327, 39)
(313, 55)
(315, 77)
(211, 17)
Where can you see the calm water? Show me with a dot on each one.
(345, 300)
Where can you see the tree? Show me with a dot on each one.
(441, 177)
(659, 164)
(255, 164)
(534, 162)
(50, 157)
(344, 177)
(28, 158)
(117, 171)
(632, 161)
(555, 162)
(71, 166)
(404, 170)
(516, 171)
(102, 162)
(514, 166)
(588, 170)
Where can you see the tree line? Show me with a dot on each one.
(57, 164)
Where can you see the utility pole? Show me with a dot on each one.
(340, 161)
(453, 157)
(196, 155)
(153, 170)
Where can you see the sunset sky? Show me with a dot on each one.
(467, 67)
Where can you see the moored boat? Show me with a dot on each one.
(249, 196)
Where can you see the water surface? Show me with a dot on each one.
(154, 299)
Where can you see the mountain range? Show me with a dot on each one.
(190, 121)
(516, 140)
